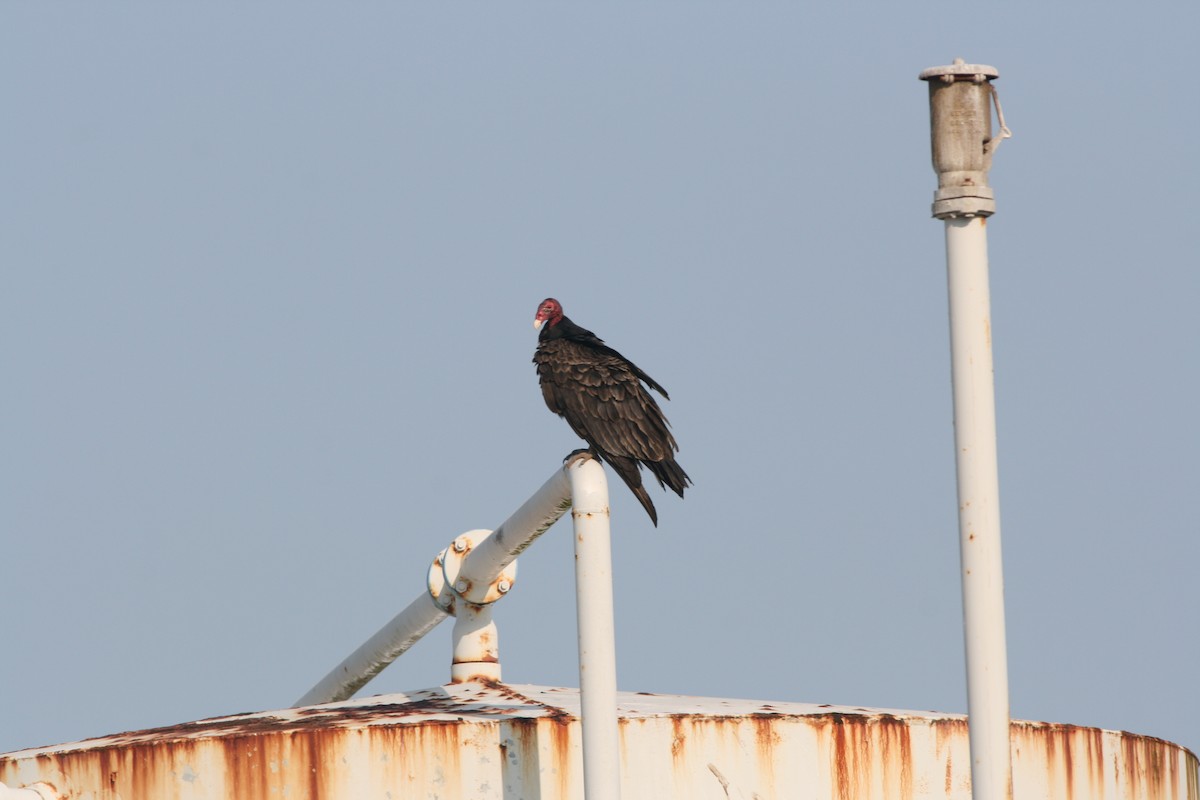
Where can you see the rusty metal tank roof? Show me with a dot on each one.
(475, 701)
(494, 741)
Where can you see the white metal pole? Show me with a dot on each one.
(979, 507)
(960, 100)
(597, 637)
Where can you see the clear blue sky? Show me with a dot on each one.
(268, 279)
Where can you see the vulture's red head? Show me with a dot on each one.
(549, 310)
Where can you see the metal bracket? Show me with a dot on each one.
(993, 144)
(447, 585)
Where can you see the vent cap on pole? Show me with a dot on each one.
(960, 120)
(958, 71)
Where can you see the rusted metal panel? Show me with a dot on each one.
(486, 740)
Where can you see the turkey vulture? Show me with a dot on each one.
(600, 393)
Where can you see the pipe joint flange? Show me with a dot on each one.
(447, 586)
(950, 204)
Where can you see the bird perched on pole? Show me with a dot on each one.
(601, 395)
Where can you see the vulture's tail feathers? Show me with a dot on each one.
(670, 475)
(627, 468)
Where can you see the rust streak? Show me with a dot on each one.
(559, 735)
(896, 744)
(678, 740)
(765, 740)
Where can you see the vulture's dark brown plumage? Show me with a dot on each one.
(600, 394)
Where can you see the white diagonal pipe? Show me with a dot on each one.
(389, 643)
(480, 568)
(495, 552)
(597, 636)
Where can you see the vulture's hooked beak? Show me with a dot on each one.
(537, 323)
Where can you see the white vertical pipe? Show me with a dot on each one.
(597, 637)
(476, 645)
(978, 506)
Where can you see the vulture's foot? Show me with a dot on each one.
(583, 454)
